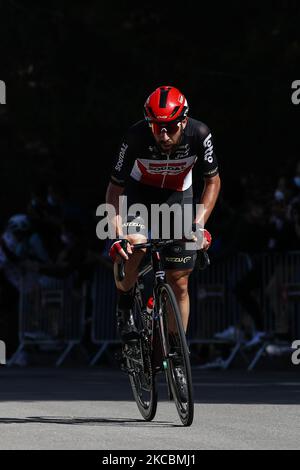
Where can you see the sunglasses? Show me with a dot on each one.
(168, 127)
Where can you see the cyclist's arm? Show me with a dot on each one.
(118, 177)
(208, 199)
(113, 193)
(210, 172)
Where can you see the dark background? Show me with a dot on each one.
(77, 76)
(78, 73)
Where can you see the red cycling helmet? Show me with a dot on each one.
(166, 104)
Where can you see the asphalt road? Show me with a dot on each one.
(48, 408)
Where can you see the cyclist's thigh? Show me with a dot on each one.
(178, 257)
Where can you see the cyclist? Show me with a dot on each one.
(154, 166)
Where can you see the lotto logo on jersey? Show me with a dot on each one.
(209, 149)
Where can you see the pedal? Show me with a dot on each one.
(158, 370)
(120, 359)
(124, 368)
(172, 355)
(128, 371)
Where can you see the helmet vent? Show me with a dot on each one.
(174, 111)
(163, 97)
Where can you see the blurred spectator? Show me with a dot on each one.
(283, 190)
(296, 181)
(250, 236)
(20, 245)
(60, 206)
(295, 199)
(75, 256)
(49, 206)
(294, 225)
(20, 249)
(283, 219)
(45, 223)
(278, 240)
(296, 222)
(37, 207)
(56, 195)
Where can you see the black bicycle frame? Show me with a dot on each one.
(155, 264)
(159, 280)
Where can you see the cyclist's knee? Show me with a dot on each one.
(134, 239)
(179, 282)
(178, 275)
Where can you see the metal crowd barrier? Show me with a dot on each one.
(52, 316)
(104, 324)
(213, 302)
(104, 330)
(280, 299)
(281, 278)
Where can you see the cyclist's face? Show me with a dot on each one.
(167, 135)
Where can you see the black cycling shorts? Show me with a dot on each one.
(177, 255)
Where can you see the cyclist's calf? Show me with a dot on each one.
(178, 280)
(132, 265)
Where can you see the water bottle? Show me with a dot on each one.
(150, 305)
(148, 315)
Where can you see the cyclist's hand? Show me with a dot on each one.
(202, 237)
(120, 249)
(207, 239)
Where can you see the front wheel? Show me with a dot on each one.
(177, 361)
(139, 366)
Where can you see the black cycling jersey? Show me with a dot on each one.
(141, 158)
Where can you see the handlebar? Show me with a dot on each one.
(121, 271)
(202, 260)
(201, 263)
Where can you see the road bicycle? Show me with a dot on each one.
(162, 344)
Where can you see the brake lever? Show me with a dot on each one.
(203, 260)
(121, 271)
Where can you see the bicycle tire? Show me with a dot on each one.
(143, 383)
(185, 409)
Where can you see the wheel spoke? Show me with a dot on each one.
(178, 363)
(142, 378)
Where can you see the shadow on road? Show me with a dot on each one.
(231, 387)
(85, 421)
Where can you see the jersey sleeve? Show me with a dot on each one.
(121, 164)
(208, 159)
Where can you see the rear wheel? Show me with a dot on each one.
(177, 362)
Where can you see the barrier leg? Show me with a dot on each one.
(63, 356)
(235, 350)
(15, 356)
(257, 356)
(99, 353)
